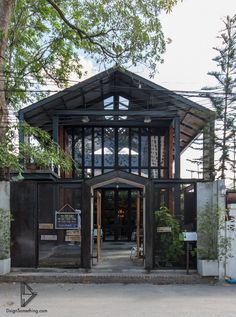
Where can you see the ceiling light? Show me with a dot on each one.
(85, 119)
(147, 119)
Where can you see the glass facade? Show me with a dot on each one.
(97, 150)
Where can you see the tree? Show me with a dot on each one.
(223, 95)
(42, 41)
(47, 37)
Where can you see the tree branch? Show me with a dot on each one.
(84, 35)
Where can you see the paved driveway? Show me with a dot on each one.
(111, 300)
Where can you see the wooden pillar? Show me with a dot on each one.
(55, 134)
(208, 151)
(86, 255)
(55, 127)
(177, 146)
(149, 226)
(177, 210)
(170, 154)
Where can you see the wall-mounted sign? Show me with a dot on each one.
(45, 225)
(163, 229)
(189, 236)
(50, 237)
(67, 220)
(73, 232)
(73, 238)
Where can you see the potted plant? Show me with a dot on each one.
(5, 261)
(212, 245)
(169, 248)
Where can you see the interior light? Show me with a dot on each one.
(85, 119)
(147, 119)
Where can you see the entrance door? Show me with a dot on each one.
(119, 214)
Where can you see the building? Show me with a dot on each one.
(126, 135)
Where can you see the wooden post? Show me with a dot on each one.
(171, 139)
(98, 226)
(138, 224)
(177, 147)
(55, 134)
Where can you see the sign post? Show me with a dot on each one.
(188, 237)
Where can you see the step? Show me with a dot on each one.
(96, 277)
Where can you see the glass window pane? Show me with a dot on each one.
(164, 173)
(97, 172)
(123, 147)
(68, 143)
(78, 145)
(154, 173)
(162, 151)
(109, 147)
(134, 171)
(144, 147)
(154, 150)
(134, 148)
(144, 172)
(88, 146)
(98, 147)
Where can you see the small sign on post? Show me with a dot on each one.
(188, 237)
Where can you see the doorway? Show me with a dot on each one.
(118, 226)
(119, 213)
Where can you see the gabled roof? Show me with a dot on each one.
(145, 98)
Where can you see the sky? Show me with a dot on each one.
(193, 27)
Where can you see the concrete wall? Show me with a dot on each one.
(212, 193)
(230, 232)
(5, 220)
(5, 195)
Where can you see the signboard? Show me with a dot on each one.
(163, 229)
(73, 238)
(73, 232)
(67, 220)
(45, 225)
(189, 236)
(51, 237)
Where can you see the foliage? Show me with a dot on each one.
(212, 245)
(46, 39)
(4, 234)
(170, 248)
(223, 95)
(43, 151)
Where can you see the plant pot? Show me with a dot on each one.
(208, 267)
(5, 266)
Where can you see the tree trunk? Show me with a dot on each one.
(5, 15)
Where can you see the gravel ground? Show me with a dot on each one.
(111, 300)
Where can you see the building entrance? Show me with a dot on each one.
(119, 214)
(118, 226)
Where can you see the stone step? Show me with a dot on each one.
(157, 278)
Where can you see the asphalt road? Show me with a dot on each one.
(111, 300)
